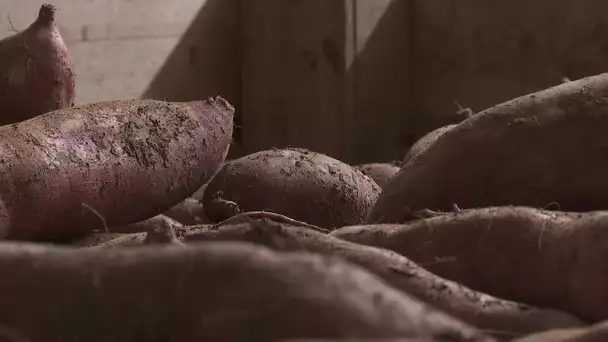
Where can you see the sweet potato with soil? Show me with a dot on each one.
(111, 163)
(37, 73)
(297, 183)
(381, 173)
(204, 292)
(594, 333)
(502, 318)
(528, 151)
(539, 257)
(189, 211)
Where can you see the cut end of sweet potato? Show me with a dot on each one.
(47, 13)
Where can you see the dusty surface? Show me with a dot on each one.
(540, 150)
(297, 183)
(546, 258)
(109, 163)
(205, 292)
(37, 71)
(503, 318)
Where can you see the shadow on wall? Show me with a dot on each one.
(206, 61)
(380, 81)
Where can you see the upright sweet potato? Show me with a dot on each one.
(297, 183)
(500, 317)
(204, 292)
(543, 258)
(114, 162)
(381, 173)
(543, 148)
(36, 71)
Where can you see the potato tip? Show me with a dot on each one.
(47, 12)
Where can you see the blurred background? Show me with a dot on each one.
(359, 80)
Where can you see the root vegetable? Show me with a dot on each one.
(108, 163)
(502, 318)
(204, 292)
(539, 257)
(36, 71)
(536, 150)
(297, 183)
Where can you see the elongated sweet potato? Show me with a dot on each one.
(544, 258)
(503, 318)
(116, 161)
(529, 151)
(301, 184)
(36, 71)
(204, 292)
(594, 333)
(381, 173)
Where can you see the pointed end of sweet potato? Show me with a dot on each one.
(47, 13)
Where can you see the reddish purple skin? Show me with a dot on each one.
(128, 160)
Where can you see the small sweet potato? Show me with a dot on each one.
(381, 173)
(502, 318)
(594, 333)
(204, 292)
(297, 183)
(37, 73)
(535, 150)
(145, 225)
(544, 258)
(107, 163)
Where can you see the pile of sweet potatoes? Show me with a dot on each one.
(123, 221)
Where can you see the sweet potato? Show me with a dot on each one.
(529, 151)
(301, 184)
(111, 163)
(425, 142)
(544, 258)
(500, 317)
(379, 172)
(189, 211)
(204, 292)
(594, 333)
(37, 73)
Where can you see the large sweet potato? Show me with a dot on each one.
(543, 148)
(544, 258)
(116, 162)
(36, 71)
(503, 318)
(204, 292)
(381, 173)
(301, 184)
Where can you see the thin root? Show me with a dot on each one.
(103, 220)
(248, 216)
